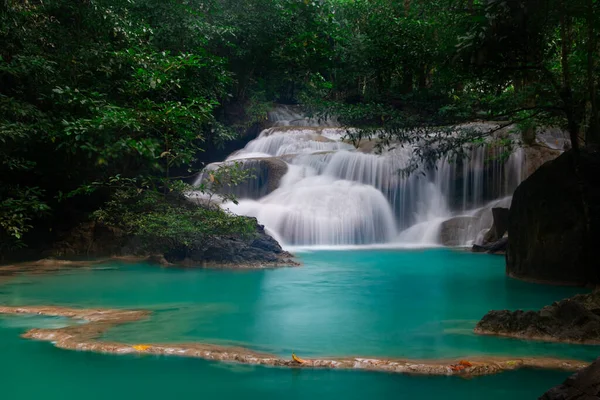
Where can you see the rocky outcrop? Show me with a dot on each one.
(574, 320)
(496, 247)
(494, 240)
(536, 156)
(232, 251)
(583, 385)
(96, 240)
(499, 226)
(266, 175)
(554, 222)
(454, 230)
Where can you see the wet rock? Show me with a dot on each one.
(583, 385)
(262, 250)
(573, 320)
(455, 230)
(499, 226)
(554, 222)
(266, 172)
(496, 247)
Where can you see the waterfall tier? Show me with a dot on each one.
(332, 194)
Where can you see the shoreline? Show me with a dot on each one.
(50, 265)
(84, 337)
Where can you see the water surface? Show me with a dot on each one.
(389, 303)
(32, 370)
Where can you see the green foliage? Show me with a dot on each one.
(89, 91)
(164, 224)
(219, 181)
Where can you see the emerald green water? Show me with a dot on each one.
(38, 371)
(413, 304)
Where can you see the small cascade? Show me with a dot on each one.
(321, 210)
(313, 188)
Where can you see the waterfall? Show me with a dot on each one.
(313, 188)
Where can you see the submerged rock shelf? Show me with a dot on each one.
(51, 265)
(84, 337)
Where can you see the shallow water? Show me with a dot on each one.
(32, 370)
(387, 303)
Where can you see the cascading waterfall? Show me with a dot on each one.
(332, 194)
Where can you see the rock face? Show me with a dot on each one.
(455, 229)
(225, 251)
(499, 227)
(536, 156)
(267, 174)
(97, 240)
(496, 247)
(583, 385)
(554, 222)
(574, 320)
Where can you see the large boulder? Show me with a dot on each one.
(499, 226)
(454, 231)
(583, 385)
(499, 246)
(536, 156)
(554, 222)
(266, 172)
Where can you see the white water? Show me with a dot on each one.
(334, 195)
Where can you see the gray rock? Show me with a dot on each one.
(267, 174)
(499, 226)
(454, 230)
(536, 156)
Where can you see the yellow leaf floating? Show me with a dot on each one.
(141, 347)
(297, 359)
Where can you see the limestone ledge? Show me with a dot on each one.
(84, 337)
(51, 265)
